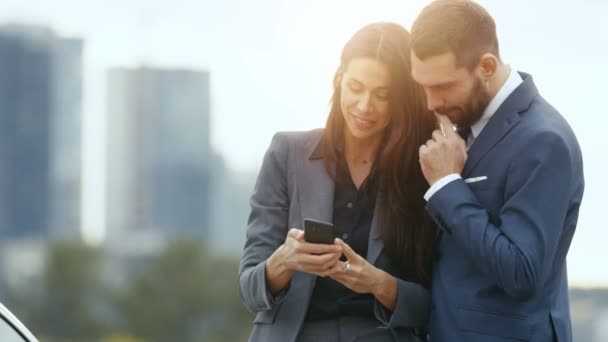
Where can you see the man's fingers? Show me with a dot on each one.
(422, 150)
(438, 136)
(446, 124)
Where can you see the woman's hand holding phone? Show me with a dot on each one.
(316, 258)
(295, 254)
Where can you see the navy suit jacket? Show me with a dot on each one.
(501, 270)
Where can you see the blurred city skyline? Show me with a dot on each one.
(271, 63)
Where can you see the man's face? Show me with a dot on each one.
(454, 91)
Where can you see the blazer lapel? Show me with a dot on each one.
(315, 189)
(498, 126)
(505, 118)
(375, 243)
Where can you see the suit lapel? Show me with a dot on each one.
(315, 189)
(505, 118)
(375, 243)
(498, 126)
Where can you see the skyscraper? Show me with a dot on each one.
(158, 151)
(66, 140)
(40, 111)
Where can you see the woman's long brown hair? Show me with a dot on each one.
(406, 229)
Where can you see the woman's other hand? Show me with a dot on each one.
(362, 277)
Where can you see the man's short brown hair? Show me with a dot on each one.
(462, 27)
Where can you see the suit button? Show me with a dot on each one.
(344, 236)
(350, 205)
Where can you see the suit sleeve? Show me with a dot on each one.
(411, 309)
(517, 251)
(267, 227)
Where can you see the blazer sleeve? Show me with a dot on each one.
(411, 310)
(518, 249)
(266, 228)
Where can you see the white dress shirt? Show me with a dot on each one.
(512, 82)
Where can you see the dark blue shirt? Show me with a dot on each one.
(352, 218)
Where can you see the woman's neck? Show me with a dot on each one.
(361, 151)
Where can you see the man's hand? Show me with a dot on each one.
(444, 154)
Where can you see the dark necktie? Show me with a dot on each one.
(464, 132)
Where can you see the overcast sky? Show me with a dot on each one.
(272, 62)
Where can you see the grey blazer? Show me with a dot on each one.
(290, 187)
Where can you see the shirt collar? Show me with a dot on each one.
(512, 82)
(318, 151)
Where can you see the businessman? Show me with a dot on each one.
(506, 185)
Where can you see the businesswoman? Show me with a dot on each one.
(361, 173)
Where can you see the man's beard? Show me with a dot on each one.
(478, 101)
(472, 110)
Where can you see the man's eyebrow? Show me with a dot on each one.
(442, 84)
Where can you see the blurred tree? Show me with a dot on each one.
(185, 294)
(121, 338)
(62, 306)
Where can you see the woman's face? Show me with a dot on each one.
(364, 99)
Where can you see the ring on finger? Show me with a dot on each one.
(346, 267)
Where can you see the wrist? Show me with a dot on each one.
(386, 291)
(438, 177)
(277, 274)
(433, 181)
(276, 263)
(382, 281)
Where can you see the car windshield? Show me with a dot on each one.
(8, 333)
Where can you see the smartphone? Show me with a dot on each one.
(318, 231)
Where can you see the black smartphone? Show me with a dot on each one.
(318, 231)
